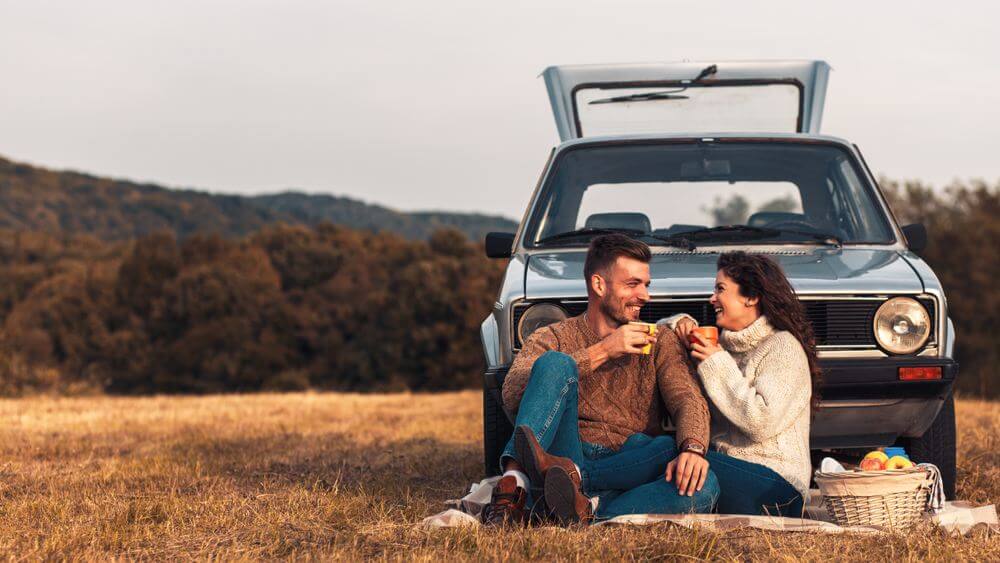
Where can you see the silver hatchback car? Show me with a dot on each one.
(696, 159)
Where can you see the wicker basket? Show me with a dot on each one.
(893, 498)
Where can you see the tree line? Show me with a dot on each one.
(291, 307)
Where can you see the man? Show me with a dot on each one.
(589, 407)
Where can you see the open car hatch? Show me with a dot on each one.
(689, 97)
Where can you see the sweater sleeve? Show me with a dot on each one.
(679, 390)
(780, 390)
(541, 341)
(672, 320)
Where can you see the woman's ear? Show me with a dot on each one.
(751, 301)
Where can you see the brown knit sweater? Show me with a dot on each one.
(625, 395)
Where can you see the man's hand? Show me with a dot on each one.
(689, 471)
(626, 339)
(702, 349)
(683, 329)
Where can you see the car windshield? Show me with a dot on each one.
(785, 192)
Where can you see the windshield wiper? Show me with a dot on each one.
(740, 231)
(663, 94)
(725, 231)
(590, 231)
(832, 240)
(677, 241)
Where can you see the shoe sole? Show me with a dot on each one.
(560, 496)
(526, 457)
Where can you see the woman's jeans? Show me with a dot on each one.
(629, 481)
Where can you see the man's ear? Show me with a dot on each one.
(597, 285)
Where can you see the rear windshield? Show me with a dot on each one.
(754, 108)
(667, 189)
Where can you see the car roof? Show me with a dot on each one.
(790, 137)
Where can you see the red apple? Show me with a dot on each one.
(872, 464)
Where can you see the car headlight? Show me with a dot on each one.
(902, 325)
(537, 316)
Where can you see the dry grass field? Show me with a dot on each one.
(343, 476)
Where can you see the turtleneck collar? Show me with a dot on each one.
(748, 338)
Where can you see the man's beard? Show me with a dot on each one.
(615, 310)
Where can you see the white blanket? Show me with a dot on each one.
(957, 517)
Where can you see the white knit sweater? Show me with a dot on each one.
(759, 391)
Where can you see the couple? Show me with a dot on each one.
(588, 442)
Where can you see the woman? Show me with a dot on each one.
(760, 383)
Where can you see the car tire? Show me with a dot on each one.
(937, 446)
(497, 430)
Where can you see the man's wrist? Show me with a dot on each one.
(692, 445)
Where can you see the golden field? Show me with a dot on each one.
(321, 476)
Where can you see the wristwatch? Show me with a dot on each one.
(693, 446)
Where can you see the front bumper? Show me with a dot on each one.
(863, 402)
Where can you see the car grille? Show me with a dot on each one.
(836, 322)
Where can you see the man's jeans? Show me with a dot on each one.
(629, 481)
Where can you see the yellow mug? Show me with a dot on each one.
(651, 329)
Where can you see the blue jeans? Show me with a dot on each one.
(628, 481)
(742, 487)
(751, 488)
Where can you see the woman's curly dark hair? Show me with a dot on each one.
(761, 277)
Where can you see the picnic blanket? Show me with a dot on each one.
(957, 517)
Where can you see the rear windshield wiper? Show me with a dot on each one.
(590, 231)
(648, 96)
(663, 94)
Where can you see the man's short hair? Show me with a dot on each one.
(605, 249)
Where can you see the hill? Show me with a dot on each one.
(37, 199)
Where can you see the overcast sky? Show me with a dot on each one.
(438, 105)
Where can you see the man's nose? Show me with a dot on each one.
(644, 294)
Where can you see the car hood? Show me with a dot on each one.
(815, 271)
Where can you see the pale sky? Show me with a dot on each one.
(438, 105)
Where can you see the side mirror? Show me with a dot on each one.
(499, 245)
(916, 237)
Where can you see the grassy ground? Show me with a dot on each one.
(342, 476)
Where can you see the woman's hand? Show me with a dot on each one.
(690, 469)
(701, 349)
(683, 328)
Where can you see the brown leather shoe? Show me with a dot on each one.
(566, 503)
(506, 507)
(536, 461)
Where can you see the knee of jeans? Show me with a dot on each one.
(711, 486)
(553, 362)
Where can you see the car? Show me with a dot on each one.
(696, 159)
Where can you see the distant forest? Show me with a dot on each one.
(36, 199)
(115, 287)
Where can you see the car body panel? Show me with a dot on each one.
(564, 82)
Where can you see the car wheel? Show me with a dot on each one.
(937, 446)
(497, 430)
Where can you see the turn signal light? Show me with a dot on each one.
(919, 374)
